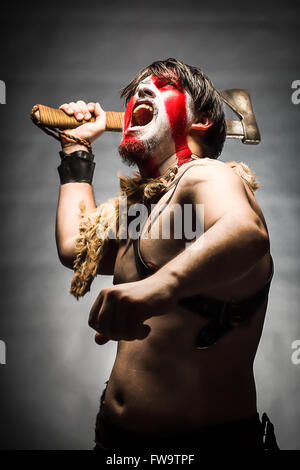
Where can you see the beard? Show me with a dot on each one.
(134, 151)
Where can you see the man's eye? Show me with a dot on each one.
(167, 83)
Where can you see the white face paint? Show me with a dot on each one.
(160, 111)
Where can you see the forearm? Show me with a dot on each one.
(222, 255)
(71, 195)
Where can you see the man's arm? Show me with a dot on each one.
(72, 195)
(235, 236)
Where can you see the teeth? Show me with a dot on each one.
(145, 106)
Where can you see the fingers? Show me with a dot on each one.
(94, 313)
(101, 316)
(132, 328)
(83, 112)
(70, 108)
(91, 107)
(80, 110)
(98, 110)
(115, 320)
(100, 339)
(143, 332)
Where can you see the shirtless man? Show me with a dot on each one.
(164, 391)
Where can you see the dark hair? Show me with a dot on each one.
(206, 97)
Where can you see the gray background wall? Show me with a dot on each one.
(52, 52)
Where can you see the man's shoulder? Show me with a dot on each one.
(205, 170)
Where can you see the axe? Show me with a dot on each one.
(245, 128)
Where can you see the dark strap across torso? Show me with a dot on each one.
(142, 268)
(222, 316)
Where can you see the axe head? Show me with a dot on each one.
(246, 127)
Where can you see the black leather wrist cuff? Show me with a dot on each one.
(77, 154)
(74, 169)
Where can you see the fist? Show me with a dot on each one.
(115, 315)
(119, 312)
(89, 131)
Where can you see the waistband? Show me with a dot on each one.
(245, 434)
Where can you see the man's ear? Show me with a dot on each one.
(203, 122)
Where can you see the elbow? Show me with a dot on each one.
(260, 239)
(263, 243)
(66, 261)
(253, 235)
(66, 254)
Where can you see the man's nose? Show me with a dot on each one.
(145, 91)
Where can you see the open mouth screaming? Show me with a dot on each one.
(142, 114)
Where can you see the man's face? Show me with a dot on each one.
(156, 121)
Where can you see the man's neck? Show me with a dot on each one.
(153, 168)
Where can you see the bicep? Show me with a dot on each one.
(67, 254)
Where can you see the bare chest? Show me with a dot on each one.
(162, 233)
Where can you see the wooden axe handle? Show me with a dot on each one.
(52, 118)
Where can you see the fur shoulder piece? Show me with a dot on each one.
(246, 174)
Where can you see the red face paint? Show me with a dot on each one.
(133, 145)
(175, 105)
(171, 101)
(128, 112)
